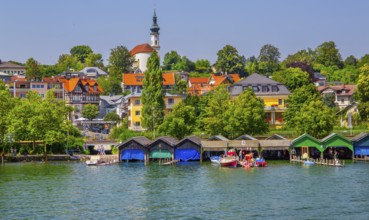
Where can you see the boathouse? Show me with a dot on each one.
(188, 148)
(134, 149)
(335, 143)
(307, 145)
(361, 144)
(214, 146)
(247, 144)
(275, 147)
(162, 148)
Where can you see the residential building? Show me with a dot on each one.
(272, 93)
(4, 76)
(142, 52)
(135, 108)
(202, 85)
(112, 104)
(93, 72)
(133, 82)
(343, 94)
(12, 69)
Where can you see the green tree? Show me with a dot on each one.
(94, 60)
(112, 116)
(328, 55)
(6, 105)
(90, 111)
(293, 78)
(306, 56)
(180, 122)
(362, 92)
(268, 59)
(363, 60)
(184, 65)
(170, 60)
(217, 106)
(252, 65)
(296, 100)
(120, 60)
(350, 61)
(315, 118)
(229, 61)
(33, 70)
(153, 94)
(245, 115)
(202, 66)
(328, 100)
(68, 63)
(81, 52)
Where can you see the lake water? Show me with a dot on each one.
(67, 190)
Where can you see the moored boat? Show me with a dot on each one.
(228, 161)
(309, 163)
(260, 162)
(215, 159)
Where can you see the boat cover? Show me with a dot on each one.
(133, 154)
(160, 154)
(186, 154)
(362, 150)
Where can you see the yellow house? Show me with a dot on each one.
(272, 93)
(135, 108)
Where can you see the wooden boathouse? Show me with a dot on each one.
(162, 148)
(335, 143)
(188, 149)
(307, 145)
(361, 146)
(134, 149)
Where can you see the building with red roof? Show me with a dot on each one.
(343, 94)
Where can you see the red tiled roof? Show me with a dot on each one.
(349, 89)
(198, 80)
(135, 79)
(235, 77)
(142, 48)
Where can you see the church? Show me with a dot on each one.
(142, 52)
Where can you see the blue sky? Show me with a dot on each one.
(44, 29)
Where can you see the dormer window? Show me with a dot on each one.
(275, 89)
(255, 89)
(265, 89)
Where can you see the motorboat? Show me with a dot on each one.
(309, 163)
(215, 159)
(94, 161)
(260, 162)
(228, 161)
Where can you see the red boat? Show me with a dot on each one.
(231, 160)
(261, 163)
(228, 162)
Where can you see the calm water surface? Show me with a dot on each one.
(187, 191)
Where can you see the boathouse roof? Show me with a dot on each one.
(245, 137)
(218, 138)
(141, 140)
(194, 139)
(360, 137)
(276, 137)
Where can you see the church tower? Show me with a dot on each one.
(155, 33)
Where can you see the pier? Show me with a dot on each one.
(322, 162)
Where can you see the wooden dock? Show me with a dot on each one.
(322, 162)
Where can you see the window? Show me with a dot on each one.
(170, 101)
(42, 86)
(264, 89)
(137, 123)
(279, 101)
(138, 113)
(255, 89)
(342, 100)
(33, 86)
(137, 101)
(275, 89)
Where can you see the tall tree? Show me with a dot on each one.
(306, 56)
(81, 52)
(33, 70)
(296, 100)
(328, 55)
(170, 60)
(153, 94)
(120, 61)
(293, 78)
(245, 115)
(184, 64)
(315, 118)
(217, 106)
(362, 92)
(6, 105)
(94, 60)
(229, 61)
(363, 60)
(180, 122)
(68, 63)
(90, 111)
(350, 61)
(268, 59)
(202, 66)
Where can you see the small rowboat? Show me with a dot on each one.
(309, 163)
(215, 160)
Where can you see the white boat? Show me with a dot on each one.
(215, 160)
(309, 163)
(93, 161)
